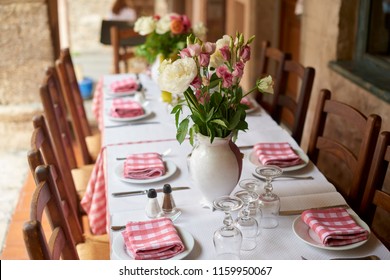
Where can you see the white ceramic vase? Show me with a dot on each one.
(215, 167)
(154, 68)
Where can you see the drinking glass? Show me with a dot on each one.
(253, 185)
(245, 223)
(269, 201)
(227, 239)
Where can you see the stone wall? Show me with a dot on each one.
(26, 51)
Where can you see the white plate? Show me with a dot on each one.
(255, 106)
(147, 113)
(120, 94)
(255, 160)
(120, 251)
(170, 170)
(307, 235)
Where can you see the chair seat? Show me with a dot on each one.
(94, 145)
(93, 250)
(81, 177)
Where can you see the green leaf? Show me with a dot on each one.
(235, 120)
(182, 130)
(219, 122)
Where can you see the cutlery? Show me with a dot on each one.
(286, 176)
(173, 218)
(127, 124)
(164, 154)
(141, 192)
(371, 257)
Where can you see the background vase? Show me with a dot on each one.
(215, 167)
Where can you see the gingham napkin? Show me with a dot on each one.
(334, 226)
(279, 154)
(126, 108)
(144, 166)
(155, 239)
(125, 85)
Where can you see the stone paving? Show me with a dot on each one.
(14, 166)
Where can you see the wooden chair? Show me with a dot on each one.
(122, 53)
(292, 90)
(375, 194)
(43, 153)
(89, 144)
(59, 131)
(345, 156)
(59, 243)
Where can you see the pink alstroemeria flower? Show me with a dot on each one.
(194, 49)
(245, 53)
(208, 47)
(239, 69)
(204, 59)
(227, 77)
(202, 98)
(197, 82)
(185, 53)
(225, 51)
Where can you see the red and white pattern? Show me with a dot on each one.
(334, 226)
(121, 108)
(143, 166)
(279, 154)
(124, 85)
(97, 102)
(152, 240)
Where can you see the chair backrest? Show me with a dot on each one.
(121, 53)
(376, 194)
(56, 115)
(355, 154)
(74, 103)
(43, 153)
(287, 106)
(105, 33)
(40, 244)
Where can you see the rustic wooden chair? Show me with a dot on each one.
(292, 89)
(89, 144)
(59, 131)
(122, 53)
(343, 156)
(376, 195)
(43, 153)
(59, 243)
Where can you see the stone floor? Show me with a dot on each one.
(14, 166)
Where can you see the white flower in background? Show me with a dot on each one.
(163, 24)
(199, 29)
(176, 77)
(144, 25)
(265, 85)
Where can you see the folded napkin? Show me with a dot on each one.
(125, 85)
(144, 166)
(155, 239)
(279, 154)
(334, 226)
(126, 108)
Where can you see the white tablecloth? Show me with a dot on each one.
(278, 243)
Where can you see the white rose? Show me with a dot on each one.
(163, 25)
(199, 29)
(176, 77)
(265, 85)
(144, 25)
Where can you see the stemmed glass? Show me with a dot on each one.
(253, 185)
(227, 239)
(245, 223)
(269, 201)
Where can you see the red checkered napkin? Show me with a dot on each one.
(125, 85)
(155, 239)
(279, 154)
(334, 226)
(144, 166)
(126, 108)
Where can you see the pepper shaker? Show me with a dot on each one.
(153, 208)
(168, 204)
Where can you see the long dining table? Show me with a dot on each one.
(156, 133)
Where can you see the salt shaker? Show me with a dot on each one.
(168, 204)
(153, 208)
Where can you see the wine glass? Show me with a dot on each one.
(245, 223)
(253, 185)
(269, 201)
(227, 239)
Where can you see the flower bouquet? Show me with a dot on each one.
(207, 77)
(165, 35)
